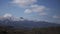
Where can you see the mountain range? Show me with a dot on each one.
(24, 23)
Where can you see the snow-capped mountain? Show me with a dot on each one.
(12, 18)
(21, 22)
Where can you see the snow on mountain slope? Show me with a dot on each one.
(21, 22)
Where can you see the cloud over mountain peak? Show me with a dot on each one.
(7, 15)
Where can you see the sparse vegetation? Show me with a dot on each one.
(49, 30)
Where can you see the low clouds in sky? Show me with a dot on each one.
(24, 3)
(7, 15)
(56, 16)
(37, 9)
(10, 17)
(43, 14)
(28, 11)
(31, 6)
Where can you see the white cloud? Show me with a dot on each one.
(27, 11)
(24, 3)
(7, 15)
(37, 9)
(43, 14)
(11, 17)
(31, 7)
(56, 16)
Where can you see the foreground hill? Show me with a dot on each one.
(45, 30)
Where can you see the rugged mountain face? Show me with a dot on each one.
(21, 22)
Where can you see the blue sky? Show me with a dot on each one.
(44, 10)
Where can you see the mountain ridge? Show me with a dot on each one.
(26, 23)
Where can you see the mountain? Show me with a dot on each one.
(24, 23)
